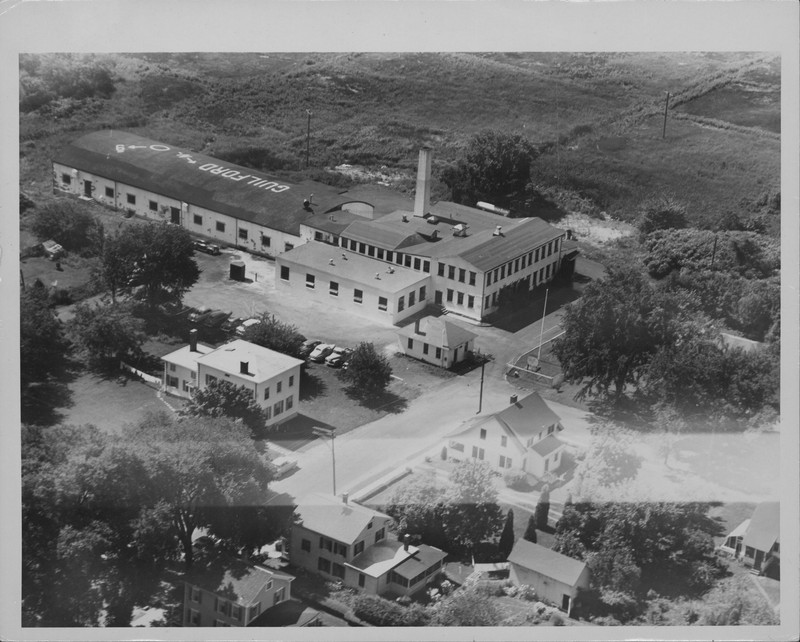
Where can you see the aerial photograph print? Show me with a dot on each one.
(401, 339)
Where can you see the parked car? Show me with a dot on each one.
(308, 346)
(319, 353)
(283, 466)
(214, 319)
(338, 357)
(196, 316)
(208, 248)
(246, 324)
(231, 323)
(53, 250)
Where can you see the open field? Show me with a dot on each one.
(595, 116)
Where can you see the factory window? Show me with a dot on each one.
(380, 253)
(411, 298)
(422, 293)
(451, 271)
(389, 256)
(502, 271)
(470, 301)
(401, 304)
(407, 261)
(358, 295)
(460, 298)
(220, 226)
(516, 265)
(66, 179)
(198, 220)
(153, 206)
(383, 303)
(462, 275)
(334, 289)
(110, 192)
(417, 263)
(362, 247)
(265, 241)
(318, 236)
(426, 267)
(132, 199)
(289, 401)
(410, 343)
(398, 258)
(472, 277)
(424, 348)
(530, 257)
(536, 256)
(243, 234)
(488, 279)
(371, 250)
(285, 272)
(486, 305)
(449, 296)
(310, 281)
(441, 269)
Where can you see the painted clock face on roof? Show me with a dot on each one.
(212, 168)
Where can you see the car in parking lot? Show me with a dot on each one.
(208, 248)
(196, 316)
(283, 466)
(338, 357)
(308, 346)
(231, 323)
(214, 319)
(319, 353)
(240, 330)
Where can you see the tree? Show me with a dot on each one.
(272, 334)
(68, 223)
(495, 167)
(472, 513)
(735, 602)
(542, 511)
(223, 399)
(661, 213)
(417, 507)
(609, 463)
(613, 330)
(466, 607)
(506, 542)
(153, 258)
(368, 372)
(104, 335)
(42, 343)
(530, 531)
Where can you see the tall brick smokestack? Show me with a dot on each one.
(422, 200)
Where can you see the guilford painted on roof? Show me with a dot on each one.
(198, 179)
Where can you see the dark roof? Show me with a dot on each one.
(528, 416)
(546, 562)
(232, 578)
(765, 526)
(335, 519)
(425, 557)
(545, 446)
(382, 234)
(176, 172)
(497, 250)
(438, 332)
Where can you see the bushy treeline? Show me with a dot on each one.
(45, 79)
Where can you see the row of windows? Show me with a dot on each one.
(331, 568)
(278, 387)
(425, 348)
(336, 548)
(534, 279)
(533, 440)
(459, 274)
(458, 297)
(413, 262)
(520, 263)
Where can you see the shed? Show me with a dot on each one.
(237, 271)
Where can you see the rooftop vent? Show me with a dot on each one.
(377, 275)
(433, 220)
(513, 399)
(243, 367)
(344, 256)
(498, 231)
(460, 230)
(306, 204)
(330, 262)
(390, 270)
(435, 234)
(405, 219)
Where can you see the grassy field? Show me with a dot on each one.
(596, 116)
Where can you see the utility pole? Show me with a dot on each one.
(308, 138)
(330, 433)
(666, 107)
(541, 333)
(480, 398)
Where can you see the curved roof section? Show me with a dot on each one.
(198, 179)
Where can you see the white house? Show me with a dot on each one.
(756, 541)
(436, 340)
(231, 592)
(522, 437)
(554, 577)
(352, 543)
(273, 377)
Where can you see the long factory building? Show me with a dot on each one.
(366, 249)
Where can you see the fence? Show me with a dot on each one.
(142, 375)
(534, 366)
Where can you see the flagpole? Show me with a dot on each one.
(541, 334)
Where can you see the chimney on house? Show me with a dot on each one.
(193, 340)
(513, 399)
(422, 199)
(243, 365)
(406, 541)
(416, 326)
(345, 497)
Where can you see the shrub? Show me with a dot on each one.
(381, 612)
(516, 480)
(69, 224)
(526, 592)
(556, 619)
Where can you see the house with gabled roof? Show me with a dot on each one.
(554, 577)
(345, 541)
(523, 436)
(756, 541)
(225, 591)
(436, 340)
